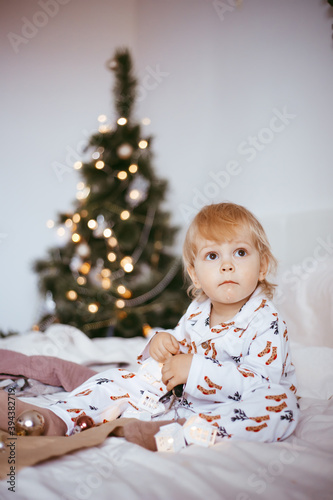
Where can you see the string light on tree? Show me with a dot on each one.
(77, 165)
(112, 257)
(120, 303)
(93, 308)
(133, 168)
(71, 295)
(127, 264)
(107, 232)
(143, 144)
(99, 164)
(76, 237)
(106, 283)
(122, 175)
(113, 242)
(125, 214)
(92, 224)
(122, 121)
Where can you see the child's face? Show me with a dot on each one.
(228, 271)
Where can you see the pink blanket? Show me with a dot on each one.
(46, 369)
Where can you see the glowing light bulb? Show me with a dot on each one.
(106, 283)
(50, 223)
(143, 144)
(113, 242)
(99, 164)
(95, 155)
(107, 232)
(77, 165)
(85, 268)
(92, 224)
(102, 118)
(122, 121)
(80, 185)
(105, 273)
(125, 214)
(103, 129)
(61, 231)
(76, 218)
(71, 295)
(93, 308)
(120, 303)
(126, 264)
(134, 194)
(68, 222)
(112, 256)
(76, 237)
(81, 280)
(122, 175)
(133, 168)
(146, 121)
(121, 289)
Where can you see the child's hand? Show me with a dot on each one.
(176, 369)
(162, 346)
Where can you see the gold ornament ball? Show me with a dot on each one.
(30, 423)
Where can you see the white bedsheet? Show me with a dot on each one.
(299, 468)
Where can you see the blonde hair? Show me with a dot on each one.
(219, 222)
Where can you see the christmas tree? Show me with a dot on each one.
(116, 274)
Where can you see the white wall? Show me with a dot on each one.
(220, 77)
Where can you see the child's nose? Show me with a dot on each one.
(227, 266)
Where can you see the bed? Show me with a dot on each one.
(301, 467)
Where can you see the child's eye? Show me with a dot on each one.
(240, 252)
(211, 256)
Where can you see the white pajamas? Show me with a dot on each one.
(241, 378)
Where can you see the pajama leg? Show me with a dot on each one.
(264, 415)
(104, 397)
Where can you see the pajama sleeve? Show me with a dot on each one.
(263, 364)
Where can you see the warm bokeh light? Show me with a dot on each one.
(133, 168)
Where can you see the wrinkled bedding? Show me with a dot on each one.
(297, 468)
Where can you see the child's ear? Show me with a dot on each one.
(193, 276)
(263, 267)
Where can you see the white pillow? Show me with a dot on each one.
(306, 302)
(314, 370)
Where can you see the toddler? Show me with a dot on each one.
(230, 350)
